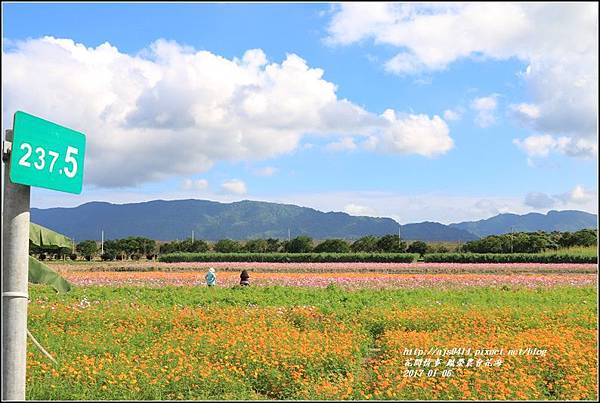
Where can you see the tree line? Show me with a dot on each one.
(531, 242)
(136, 248)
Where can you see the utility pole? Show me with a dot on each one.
(15, 261)
(512, 229)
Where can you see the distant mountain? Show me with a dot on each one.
(567, 220)
(168, 220)
(175, 219)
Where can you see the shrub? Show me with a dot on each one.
(290, 257)
(391, 244)
(227, 246)
(300, 244)
(509, 258)
(108, 256)
(333, 246)
(419, 247)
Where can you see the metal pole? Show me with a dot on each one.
(15, 262)
(102, 243)
(511, 239)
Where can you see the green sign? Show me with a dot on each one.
(46, 155)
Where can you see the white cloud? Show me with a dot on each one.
(234, 186)
(172, 110)
(452, 114)
(525, 112)
(404, 208)
(194, 184)
(539, 200)
(265, 171)
(413, 134)
(577, 198)
(543, 145)
(558, 41)
(485, 107)
(358, 210)
(344, 144)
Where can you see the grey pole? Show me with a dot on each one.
(15, 262)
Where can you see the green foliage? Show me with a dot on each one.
(332, 246)
(508, 258)
(584, 237)
(43, 238)
(439, 249)
(273, 245)
(87, 248)
(290, 257)
(108, 255)
(531, 242)
(365, 244)
(419, 247)
(130, 324)
(39, 273)
(391, 244)
(228, 246)
(197, 246)
(300, 244)
(256, 246)
(127, 247)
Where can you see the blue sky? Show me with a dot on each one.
(480, 119)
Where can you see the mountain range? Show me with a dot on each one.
(176, 219)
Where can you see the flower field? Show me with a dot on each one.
(320, 279)
(416, 267)
(281, 342)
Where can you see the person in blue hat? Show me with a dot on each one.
(211, 277)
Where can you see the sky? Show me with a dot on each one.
(442, 112)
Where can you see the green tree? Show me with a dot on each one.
(419, 247)
(227, 246)
(391, 244)
(585, 237)
(333, 246)
(300, 244)
(273, 245)
(365, 244)
(169, 247)
(87, 249)
(256, 246)
(200, 246)
(441, 249)
(146, 246)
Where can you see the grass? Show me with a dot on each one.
(576, 250)
(330, 299)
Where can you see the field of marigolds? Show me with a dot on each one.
(146, 332)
